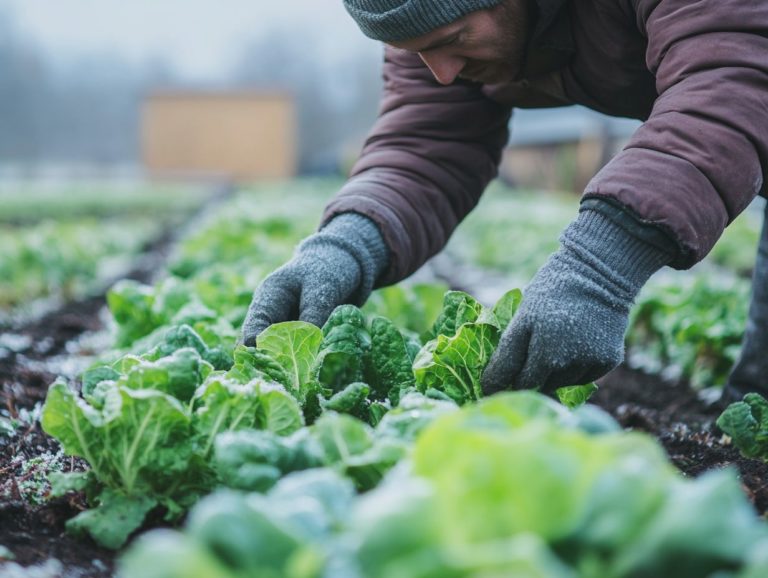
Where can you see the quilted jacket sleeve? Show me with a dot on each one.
(702, 155)
(427, 160)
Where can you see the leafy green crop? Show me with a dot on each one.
(466, 334)
(747, 423)
(510, 486)
(690, 327)
(147, 428)
(151, 425)
(66, 260)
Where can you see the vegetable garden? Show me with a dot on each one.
(139, 439)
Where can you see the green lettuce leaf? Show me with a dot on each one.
(389, 368)
(255, 460)
(131, 304)
(170, 554)
(178, 374)
(345, 345)
(506, 307)
(574, 396)
(250, 363)
(455, 364)
(352, 400)
(747, 423)
(137, 442)
(114, 519)
(458, 308)
(294, 345)
(225, 405)
(183, 336)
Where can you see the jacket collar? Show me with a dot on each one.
(546, 11)
(550, 46)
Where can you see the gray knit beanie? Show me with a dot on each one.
(393, 20)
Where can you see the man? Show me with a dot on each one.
(695, 71)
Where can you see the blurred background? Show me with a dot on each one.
(251, 89)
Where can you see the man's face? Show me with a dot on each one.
(485, 46)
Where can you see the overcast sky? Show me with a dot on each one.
(202, 38)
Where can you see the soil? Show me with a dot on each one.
(683, 423)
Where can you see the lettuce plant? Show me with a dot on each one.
(510, 486)
(689, 328)
(152, 425)
(746, 422)
(147, 428)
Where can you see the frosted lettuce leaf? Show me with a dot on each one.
(250, 363)
(131, 304)
(573, 396)
(506, 307)
(458, 308)
(135, 442)
(352, 400)
(455, 364)
(294, 345)
(182, 336)
(389, 368)
(225, 405)
(138, 445)
(178, 374)
(114, 519)
(343, 351)
(255, 460)
(747, 423)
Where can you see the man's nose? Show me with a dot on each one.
(445, 68)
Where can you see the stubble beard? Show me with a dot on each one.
(510, 46)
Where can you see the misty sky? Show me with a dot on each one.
(201, 38)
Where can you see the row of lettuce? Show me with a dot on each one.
(686, 326)
(67, 260)
(384, 481)
(362, 449)
(66, 243)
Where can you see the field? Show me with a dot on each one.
(139, 439)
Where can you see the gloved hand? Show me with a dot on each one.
(569, 329)
(337, 265)
(750, 374)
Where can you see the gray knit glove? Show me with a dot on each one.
(337, 265)
(570, 327)
(750, 374)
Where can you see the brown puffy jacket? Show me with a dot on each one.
(696, 71)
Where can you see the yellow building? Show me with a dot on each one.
(242, 136)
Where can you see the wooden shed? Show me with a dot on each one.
(242, 136)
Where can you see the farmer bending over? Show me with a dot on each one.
(695, 71)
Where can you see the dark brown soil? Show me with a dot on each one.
(35, 532)
(684, 424)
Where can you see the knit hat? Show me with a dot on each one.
(393, 20)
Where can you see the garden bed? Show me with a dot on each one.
(33, 525)
(672, 413)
